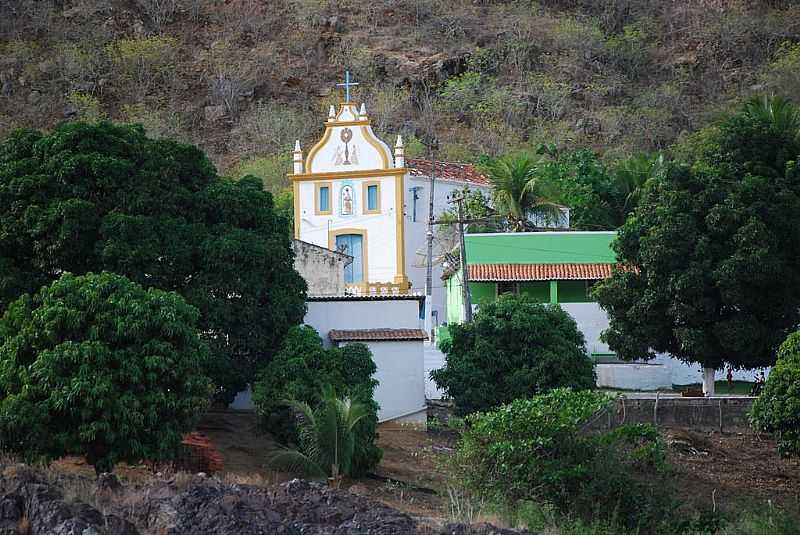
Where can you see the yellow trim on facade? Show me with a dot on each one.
(315, 149)
(335, 175)
(376, 145)
(358, 122)
(364, 246)
(399, 208)
(296, 200)
(365, 196)
(317, 187)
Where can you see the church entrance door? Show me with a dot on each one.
(352, 244)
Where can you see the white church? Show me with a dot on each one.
(355, 198)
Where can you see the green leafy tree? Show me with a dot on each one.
(514, 348)
(301, 371)
(539, 450)
(777, 409)
(586, 186)
(96, 365)
(327, 437)
(522, 194)
(708, 268)
(104, 197)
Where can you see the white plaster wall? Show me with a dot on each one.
(415, 234)
(381, 228)
(401, 374)
(401, 382)
(362, 314)
(634, 376)
(592, 320)
(368, 155)
(434, 360)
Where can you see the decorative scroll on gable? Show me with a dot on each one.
(348, 144)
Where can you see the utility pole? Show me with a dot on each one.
(429, 237)
(467, 298)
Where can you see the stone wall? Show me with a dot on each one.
(727, 414)
(322, 269)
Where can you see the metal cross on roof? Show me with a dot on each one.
(347, 85)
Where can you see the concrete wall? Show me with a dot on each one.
(401, 369)
(401, 382)
(362, 314)
(720, 414)
(322, 269)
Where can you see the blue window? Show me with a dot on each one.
(372, 197)
(324, 199)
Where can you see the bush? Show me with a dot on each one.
(301, 371)
(514, 348)
(777, 409)
(98, 366)
(536, 449)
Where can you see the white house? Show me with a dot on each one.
(391, 326)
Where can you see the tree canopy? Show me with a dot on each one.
(105, 197)
(514, 348)
(96, 365)
(708, 268)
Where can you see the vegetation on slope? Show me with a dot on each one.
(244, 78)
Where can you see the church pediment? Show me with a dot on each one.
(348, 144)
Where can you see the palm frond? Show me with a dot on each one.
(295, 462)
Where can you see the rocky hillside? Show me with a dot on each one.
(45, 503)
(243, 78)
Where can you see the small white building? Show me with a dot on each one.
(391, 326)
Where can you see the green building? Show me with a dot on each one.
(553, 267)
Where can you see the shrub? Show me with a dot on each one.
(98, 366)
(777, 409)
(514, 348)
(300, 372)
(535, 449)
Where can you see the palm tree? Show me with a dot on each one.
(631, 175)
(781, 113)
(522, 192)
(326, 437)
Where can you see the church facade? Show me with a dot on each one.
(348, 197)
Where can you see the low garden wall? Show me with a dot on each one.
(724, 414)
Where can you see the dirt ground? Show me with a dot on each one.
(729, 469)
(712, 469)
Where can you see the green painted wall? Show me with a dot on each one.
(540, 248)
(539, 290)
(481, 292)
(455, 301)
(572, 292)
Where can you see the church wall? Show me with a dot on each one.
(381, 251)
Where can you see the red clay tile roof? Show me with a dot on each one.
(367, 335)
(538, 272)
(455, 172)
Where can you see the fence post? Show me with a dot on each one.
(655, 409)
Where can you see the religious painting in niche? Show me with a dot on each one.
(347, 200)
(346, 155)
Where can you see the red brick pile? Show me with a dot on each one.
(201, 456)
